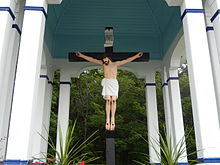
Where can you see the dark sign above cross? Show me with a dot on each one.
(115, 56)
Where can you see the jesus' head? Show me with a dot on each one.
(106, 60)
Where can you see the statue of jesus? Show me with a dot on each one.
(109, 84)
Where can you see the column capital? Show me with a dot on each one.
(214, 8)
(54, 1)
(208, 16)
(47, 73)
(38, 3)
(211, 3)
(195, 6)
(6, 3)
(150, 77)
(173, 72)
(174, 2)
(173, 68)
(64, 76)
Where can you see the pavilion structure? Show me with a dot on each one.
(37, 35)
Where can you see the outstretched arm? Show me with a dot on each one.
(78, 54)
(119, 63)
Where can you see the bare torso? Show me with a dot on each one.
(110, 70)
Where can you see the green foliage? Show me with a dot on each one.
(71, 151)
(87, 106)
(169, 153)
(54, 111)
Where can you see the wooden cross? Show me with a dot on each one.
(115, 56)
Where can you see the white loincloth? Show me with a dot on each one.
(110, 87)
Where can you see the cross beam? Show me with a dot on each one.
(116, 56)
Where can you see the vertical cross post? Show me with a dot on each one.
(110, 135)
(110, 147)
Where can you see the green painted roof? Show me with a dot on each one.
(139, 25)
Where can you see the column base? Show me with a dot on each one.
(19, 162)
(178, 163)
(208, 163)
(15, 162)
(208, 160)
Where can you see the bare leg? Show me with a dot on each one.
(113, 110)
(107, 109)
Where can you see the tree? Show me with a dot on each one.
(88, 107)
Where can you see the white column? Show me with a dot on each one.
(47, 111)
(40, 116)
(8, 81)
(176, 111)
(215, 61)
(26, 84)
(204, 105)
(166, 101)
(152, 117)
(215, 19)
(64, 104)
(7, 17)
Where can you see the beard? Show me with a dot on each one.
(105, 62)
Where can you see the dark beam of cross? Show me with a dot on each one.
(116, 56)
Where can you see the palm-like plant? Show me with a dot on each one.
(169, 153)
(72, 152)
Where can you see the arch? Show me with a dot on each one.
(176, 55)
(179, 54)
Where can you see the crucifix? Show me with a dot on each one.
(110, 62)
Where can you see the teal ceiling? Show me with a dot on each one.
(139, 25)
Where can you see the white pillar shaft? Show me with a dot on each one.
(64, 104)
(26, 84)
(46, 116)
(37, 120)
(215, 19)
(166, 101)
(204, 106)
(5, 31)
(152, 117)
(6, 93)
(9, 75)
(176, 110)
(40, 117)
(214, 62)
